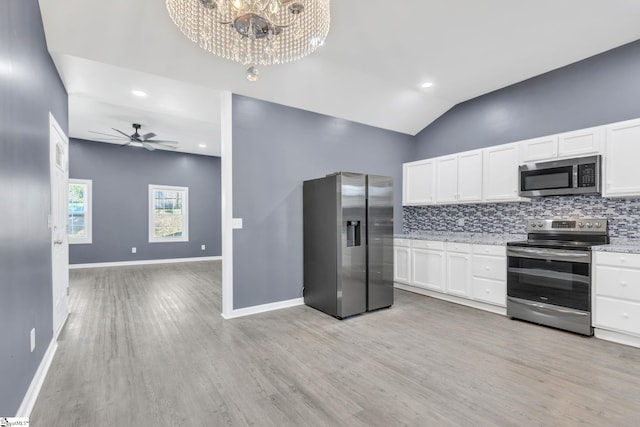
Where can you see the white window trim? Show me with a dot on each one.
(88, 213)
(185, 215)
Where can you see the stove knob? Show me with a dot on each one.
(598, 224)
(581, 224)
(540, 224)
(589, 225)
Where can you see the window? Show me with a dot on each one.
(79, 212)
(168, 214)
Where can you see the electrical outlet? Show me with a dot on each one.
(203, 247)
(134, 250)
(461, 222)
(236, 223)
(32, 337)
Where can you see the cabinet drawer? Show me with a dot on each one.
(618, 282)
(458, 247)
(489, 267)
(495, 250)
(428, 244)
(618, 259)
(616, 314)
(491, 291)
(402, 242)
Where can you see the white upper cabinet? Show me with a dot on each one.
(459, 177)
(418, 182)
(447, 179)
(500, 173)
(539, 149)
(581, 142)
(470, 176)
(577, 143)
(621, 160)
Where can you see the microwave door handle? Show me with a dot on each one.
(575, 176)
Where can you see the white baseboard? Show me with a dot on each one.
(248, 311)
(617, 337)
(452, 298)
(30, 397)
(143, 262)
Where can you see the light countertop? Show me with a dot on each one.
(459, 237)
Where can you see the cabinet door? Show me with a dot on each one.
(446, 179)
(458, 274)
(621, 175)
(418, 182)
(500, 173)
(581, 142)
(402, 264)
(470, 176)
(539, 149)
(428, 269)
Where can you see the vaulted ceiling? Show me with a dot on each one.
(369, 70)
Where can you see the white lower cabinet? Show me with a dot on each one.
(489, 274)
(472, 273)
(617, 296)
(402, 261)
(458, 269)
(427, 260)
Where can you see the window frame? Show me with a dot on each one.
(88, 212)
(185, 214)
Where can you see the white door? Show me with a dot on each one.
(418, 182)
(402, 264)
(59, 157)
(447, 179)
(621, 160)
(470, 176)
(501, 173)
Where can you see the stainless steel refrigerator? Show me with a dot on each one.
(348, 243)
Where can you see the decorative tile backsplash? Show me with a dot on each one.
(623, 215)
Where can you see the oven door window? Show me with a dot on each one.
(547, 179)
(563, 283)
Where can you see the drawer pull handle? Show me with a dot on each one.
(622, 259)
(625, 315)
(488, 291)
(623, 283)
(487, 268)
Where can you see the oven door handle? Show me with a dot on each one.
(550, 254)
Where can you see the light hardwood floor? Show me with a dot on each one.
(146, 346)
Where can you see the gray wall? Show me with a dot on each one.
(29, 89)
(121, 176)
(276, 148)
(598, 90)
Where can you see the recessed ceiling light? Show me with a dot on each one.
(202, 145)
(138, 93)
(426, 84)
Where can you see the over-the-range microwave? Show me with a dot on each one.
(581, 175)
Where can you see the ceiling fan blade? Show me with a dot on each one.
(147, 136)
(148, 146)
(161, 144)
(107, 134)
(119, 131)
(162, 141)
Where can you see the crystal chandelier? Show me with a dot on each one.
(253, 32)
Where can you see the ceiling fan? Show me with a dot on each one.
(145, 140)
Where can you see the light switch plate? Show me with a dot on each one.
(236, 223)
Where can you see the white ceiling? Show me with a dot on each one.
(368, 71)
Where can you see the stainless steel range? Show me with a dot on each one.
(549, 274)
